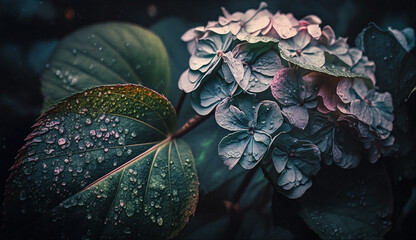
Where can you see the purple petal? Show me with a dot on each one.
(297, 115)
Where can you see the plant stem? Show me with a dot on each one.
(179, 104)
(243, 186)
(235, 212)
(191, 124)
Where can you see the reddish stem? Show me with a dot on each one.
(191, 124)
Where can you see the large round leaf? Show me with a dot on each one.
(396, 68)
(101, 164)
(108, 53)
(349, 204)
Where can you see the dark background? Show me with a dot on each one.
(30, 29)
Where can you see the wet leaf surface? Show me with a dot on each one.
(108, 53)
(349, 204)
(396, 68)
(327, 68)
(101, 165)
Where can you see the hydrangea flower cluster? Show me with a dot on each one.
(290, 92)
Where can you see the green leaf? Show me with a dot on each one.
(396, 68)
(101, 164)
(327, 68)
(396, 73)
(261, 63)
(108, 53)
(349, 204)
(214, 220)
(255, 39)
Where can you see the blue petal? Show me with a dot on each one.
(280, 159)
(232, 147)
(210, 94)
(230, 117)
(241, 147)
(268, 116)
(232, 68)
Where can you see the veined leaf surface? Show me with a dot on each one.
(101, 165)
(349, 204)
(327, 68)
(107, 53)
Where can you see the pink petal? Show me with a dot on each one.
(328, 35)
(312, 19)
(315, 31)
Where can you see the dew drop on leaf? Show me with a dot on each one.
(160, 221)
(61, 141)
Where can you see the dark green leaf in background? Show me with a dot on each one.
(107, 53)
(396, 67)
(396, 73)
(349, 204)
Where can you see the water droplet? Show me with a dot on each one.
(119, 153)
(61, 141)
(127, 230)
(22, 195)
(103, 127)
(49, 151)
(160, 221)
(49, 139)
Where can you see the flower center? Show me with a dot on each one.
(251, 130)
(299, 52)
(220, 53)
